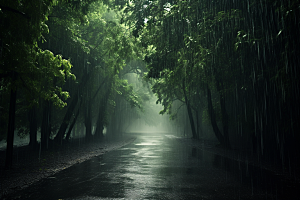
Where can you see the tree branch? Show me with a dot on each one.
(5, 8)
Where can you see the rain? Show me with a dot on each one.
(138, 99)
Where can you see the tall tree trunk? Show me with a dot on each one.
(102, 112)
(88, 121)
(191, 119)
(11, 129)
(224, 115)
(190, 113)
(88, 112)
(116, 121)
(88, 116)
(32, 128)
(64, 125)
(199, 131)
(225, 121)
(99, 125)
(72, 125)
(46, 125)
(112, 129)
(213, 120)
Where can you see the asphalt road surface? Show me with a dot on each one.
(154, 166)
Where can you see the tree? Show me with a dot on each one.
(23, 62)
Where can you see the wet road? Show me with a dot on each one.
(154, 166)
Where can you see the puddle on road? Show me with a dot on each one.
(146, 144)
(151, 156)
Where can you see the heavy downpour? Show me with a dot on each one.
(161, 99)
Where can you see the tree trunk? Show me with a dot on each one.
(99, 125)
(190, 113)
(116, 121)
(213, 120)
(88, 116)
(100, 121)
(225, 121)
(198, 122)
(88, 113)
(64, 125)
(224, 115)
(191, 119)
(72, 125)
(101, 115)
(11, 129)
(88, 121)
(113, 123)
(32, 128)
(46, 126)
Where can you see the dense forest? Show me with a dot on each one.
(221, 69)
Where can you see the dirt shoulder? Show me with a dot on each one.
(30, 166)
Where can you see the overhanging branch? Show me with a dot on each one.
(5, 8)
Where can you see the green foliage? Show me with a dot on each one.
(24, 66)
(59, 70)
(127, 92)
(39, 72)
